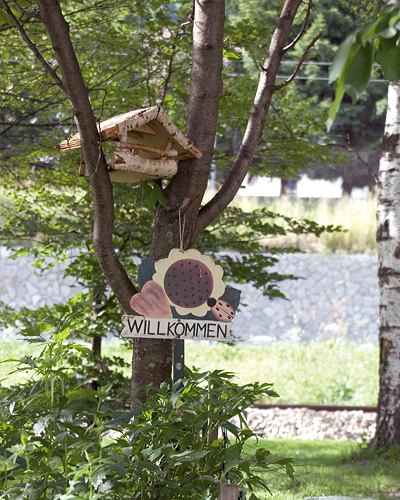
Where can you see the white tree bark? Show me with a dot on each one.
(388, 241)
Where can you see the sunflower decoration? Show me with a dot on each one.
(191, 281)
(186, 284)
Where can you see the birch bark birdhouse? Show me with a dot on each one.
(145, 144)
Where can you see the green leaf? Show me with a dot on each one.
(4, 17)
(358, 72)
(394, 19)
(385, 29)
(388, 56)
(231, 55)
(368, 30)
(98, 477)
(341, 59)
(352, 70)
(162, 200)
(82, 393)
(232, 428)
(189, 455)
(334, 107)
(152, 194)
(124, 418)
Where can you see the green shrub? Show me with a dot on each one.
(60, 440)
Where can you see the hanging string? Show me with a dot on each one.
(181, 228)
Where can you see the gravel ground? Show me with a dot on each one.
(302, 423)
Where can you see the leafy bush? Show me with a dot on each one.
(60, 440)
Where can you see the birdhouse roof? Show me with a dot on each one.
(148, 127)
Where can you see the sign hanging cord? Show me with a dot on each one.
(181, 228)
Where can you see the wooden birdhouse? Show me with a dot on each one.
(145, 144)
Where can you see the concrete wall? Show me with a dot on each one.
(337, 296)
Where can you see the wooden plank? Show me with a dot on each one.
(146, 129)
(113, 132)
(175, 328)
(128, 177)
(82, 169)
(228, 492)
(167, 153)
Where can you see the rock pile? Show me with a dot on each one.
(303, 423)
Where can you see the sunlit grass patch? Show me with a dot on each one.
(329, 372)
(332, 468)
(357, 217)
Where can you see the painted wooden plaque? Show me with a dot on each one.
(182, 296)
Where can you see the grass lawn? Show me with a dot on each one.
(333, 468)
(318, 372)
(329, 372)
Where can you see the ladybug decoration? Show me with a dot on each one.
(222, 310)
(187, 284)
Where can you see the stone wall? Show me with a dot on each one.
(337, 295)
(20, 285)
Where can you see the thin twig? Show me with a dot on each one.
(348, 149)
(23, 11)
(33, 125)
(303, 28)
(302, 59)
(33, 113)
(363, 163)
(191, 17)
(169, 74)
(32, 46)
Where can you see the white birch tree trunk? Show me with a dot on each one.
(388, 241)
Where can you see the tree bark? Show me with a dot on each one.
(175, 225)
(103, 201)
(181, 221)
(179, 224)
(258, 115)
(388, 241)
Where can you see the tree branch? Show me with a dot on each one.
(23, 11)
(303, 28)
(256, 122)
(300, 63)
(191, 17)
(103, 224)
(349, 149)
(186, 188)
(32, 46)
(33, 125)
(168, 77)
(33, 113)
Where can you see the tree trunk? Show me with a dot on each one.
(178, 224)
(229, 492)
(388, 241)
(175, 225)
(103, 200)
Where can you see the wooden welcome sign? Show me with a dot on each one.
(182, 297)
